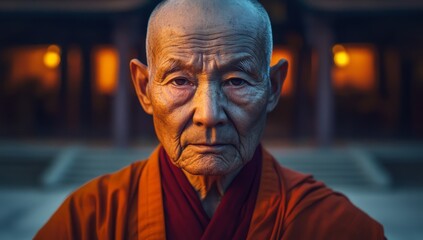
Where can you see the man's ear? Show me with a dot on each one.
(277, 77)
(140, 78)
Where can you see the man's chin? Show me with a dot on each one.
(208, 167)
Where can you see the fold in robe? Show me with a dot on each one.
(128, 204)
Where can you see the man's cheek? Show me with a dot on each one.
(245, 96)
(247, 117)
(175, 97)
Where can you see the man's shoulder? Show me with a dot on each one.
(98, 206)
(310, 202)
(330, 214)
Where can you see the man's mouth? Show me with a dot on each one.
(209, 147)
(209, 144)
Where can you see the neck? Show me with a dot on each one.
(204, 183)
(210, 189)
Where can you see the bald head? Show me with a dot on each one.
(173, 17)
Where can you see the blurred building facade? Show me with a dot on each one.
(356, 69)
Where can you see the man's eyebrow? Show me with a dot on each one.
(243, 64)
(171, 65)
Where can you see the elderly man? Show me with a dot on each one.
(209, 87)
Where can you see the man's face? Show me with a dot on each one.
(208, 97)
(207, 83)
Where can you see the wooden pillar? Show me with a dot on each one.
(63, 88)
(302, 110)
(86, 90)
(320, 37)
(125, 34)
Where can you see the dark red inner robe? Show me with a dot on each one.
(185, 217)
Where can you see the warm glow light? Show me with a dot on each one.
(359, 69)
(341, 59)
(106, 69)
(51, 59)
(52, 56)
(277, 54)
(340, 56)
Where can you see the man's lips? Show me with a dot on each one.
(209, 147)
(209, 144)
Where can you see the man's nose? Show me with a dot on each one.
(208, 102)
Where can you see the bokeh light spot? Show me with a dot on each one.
(52, 56)
(341, 59)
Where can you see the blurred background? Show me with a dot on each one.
(351, 109)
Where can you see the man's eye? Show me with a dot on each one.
(181, 82)
(236, 82)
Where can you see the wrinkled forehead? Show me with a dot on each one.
(211, 41)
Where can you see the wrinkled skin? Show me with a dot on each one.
(207, 88)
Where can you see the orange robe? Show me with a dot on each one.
(128, 205)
